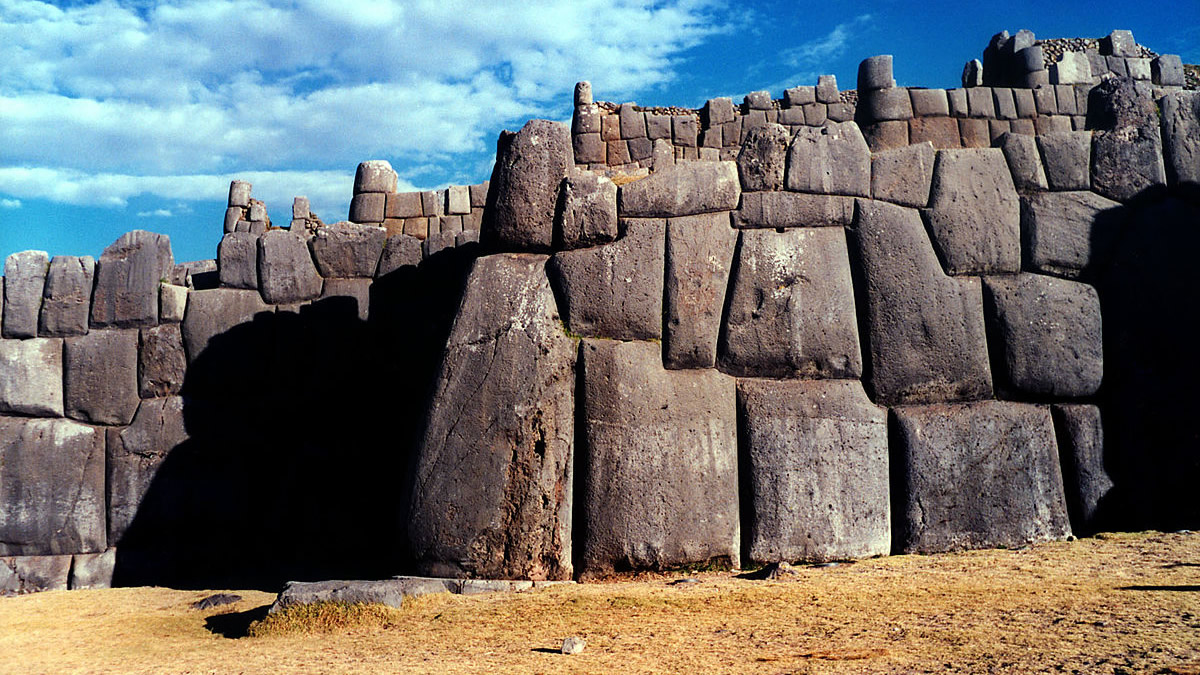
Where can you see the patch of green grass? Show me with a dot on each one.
(325, 618)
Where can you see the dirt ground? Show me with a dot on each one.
(1127, 603)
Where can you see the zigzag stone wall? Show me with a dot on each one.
(811, 346)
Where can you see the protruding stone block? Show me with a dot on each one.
(763, 157)
(127, 279)
(1181, 137)
(1024, 162)
(1167, 71)
(368, 207)
(717, 111)
(1086, 481)
(1067, 158)
(67, 298)
(699, 254)
(758, 100)
(100, 376)
(827, 89)
(685, 189)
(793, 209)
(798, 96)
(583, 93)
(237, 260)
(615, 290)
(903, 175)
(399, 251)
(875, 73)
(660, 489)
(31, 377)
(976, 475)
(24, 288)
(833, 159)
(494, 476)
(172, 303)
(285, 269)
(213, 312)
(162, 361)
(589, 210)
(51, 487)
(974, 214)
(1072, 68)
(458, 200)
(239, 193)
(135, 455)
(1068, 234)
(1127, 158)
(530, 165)
(1119, 43)
(791, 307)
(375, 175)
(818, 462)
(347, 250)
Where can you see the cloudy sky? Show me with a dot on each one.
(136, 114)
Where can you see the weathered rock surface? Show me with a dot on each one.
(660, 487)
(589, 210)
(494, 475)
(162, 361)
(399, 251)
(1048, 334)
(100, 376)
(135, 454)
(67, 298)
(615, 290)
(818, 461)
(523, 194)
(375, 175)
(237, 260)
(51, 487)
(1127, 157)
(976, 475)
(903, 175)
(698, 257)
(24, 286)
(1024, 162)
(31, 377)
(792, 209)
(791, 307)
(213, 312)
(1067, 156)
(93, 570)
(833, 159)
(1086, 481)
(127, 278)
(34, 573)
(974, 214)
(763, 157)
(392, 592)
(356, 291)
(172, 303)
(1181, 137)
(926, 330)
(347, 250)
(684, 189)
(1068, 234)
(285, 269)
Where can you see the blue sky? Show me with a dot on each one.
(121, 115)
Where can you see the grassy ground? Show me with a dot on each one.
(1125, 603)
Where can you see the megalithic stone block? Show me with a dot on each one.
(346, 250)
(903, 175)
(926, 330)
(100, 376)
(127, 279)
(833, 159)
(34, 573)
(135, 455)
(763, 157)
(375, 175)
(213, 312)
(494, 472)
(523, 194)
(239, 193)
(1068, 234)
(698, 257)
(162, 361)
(685, 189)
(399, 250)
(1127, 151)
(286, 272)
(93, 570)
(1086, 481)
(31, 377)
(589, 211)
(51, 487)
(974, 214)
(24, 286)
(818, 461)
(237, 260)
(976, 475)
(1067, 156)
(67, 298)
(1021, 153)
(1181, 137)
(661, 485)
(875, 73)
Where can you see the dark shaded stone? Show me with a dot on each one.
(93, 570)
(1119, 43)
(792, 209)
(523, 192)
(903, 175)
(588, 216)
(1067, 156)
(763, 157)
(127, 278)
(162, 361)
(818, 461)
(684, 189)
(976, 475)
(356, 291)
(24, 287)
(833, 159)
(399, 251)
(100, 376)
(1181, 137)
(34, 573)
(135, 455)
(699, 253)
(974, 215)
(31, 377)
(1068, 234)
(875, 72)
(659, 486)
(1086, 482)
(347, 250)
(494, 474)
(286, 273)
(213, 312)
(67, 298)
(1127, 157)
(237, 260)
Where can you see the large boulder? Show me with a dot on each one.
(213, 312)
(1181, 137)
(974, 214)
(818, 459)
(286, 273)
(903, 175)
(1086, 481)
(67, 298)
(682, 189)
(660, 488)
(792, 209)
(31, 377)
(791, 307)
(494, 473)
(24, 286)
(34, 573)
(1024, 161)
(763, 157)
(699, 254)
(51, 487)
(135, 454)
(615, 290)
(1067, 156)
(523, 193)
(162, 361)
(100, 376)
(237, 260)
(976, 475)
(589, 211)
(348, 250)
(127, 279)
(926, 330)
(1127, 157)
(400, 250)
(1068, 234)
(833, 159)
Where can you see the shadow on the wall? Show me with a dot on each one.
(301, 425)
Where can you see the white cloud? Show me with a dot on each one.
(834, 44)
(10, 203)
(157, 213)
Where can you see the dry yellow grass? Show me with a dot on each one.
(1119, 603)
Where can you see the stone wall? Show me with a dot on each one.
(805, 348)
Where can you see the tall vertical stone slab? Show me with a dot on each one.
(286, 272)
(135, 454)
(1181, 137)
(974, 214)
(699, 253)
(523, 193)
(51, 487)
(237, 260)
(494, 474)
(1127, 150)
(926, 330)
(162, 361)
(24, 284)
(67, 298)
(833, 159)
(31, 377)
(818, 461)
(660, 488)
(976, 475)
(127, 278)
(1086, 480)
(100, 376)
(589, 211)
(791, 307)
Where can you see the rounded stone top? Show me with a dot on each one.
(583, 93)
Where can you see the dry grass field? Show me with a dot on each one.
(1127, 603)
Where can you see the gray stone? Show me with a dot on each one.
(615, 290)
(972, 73)
(827, 90)
(100, 376)
(957, 100)
(1067, 103)
(792, 209)
(1119, 43)
(300, 208)
(589, 210)
(976, 475)
(1067, 158)
(466, 237)
(285, 269)
(942, 132)
(403, 205)
(574, 645)
(375, 175)
(660, 488)
(791, 307)
(840, 112)
(172, 303)
(393, 592)
(430, 204)
(31, 377)
(93, 570)
(1167, 71)
(135, 455)
(357, 291)
(1068, 234)
(815, 114)
(237, 260)
(886, 104)
(926, 331)
(685, 189)
(685, 130)
(833, 159)
(974, 214)
(981, 103)
(458, 200)
(162, 361)
(717, 111)
(798, 96)
(583, 93)
(1048, 332)
(524, 187)
(1072, 68)
(1030, 58)
(818, 461)
(127, 279)
(1006, 107)
(1086, 482)
(632, 121)
(258, 212)
(903, 175)
(1021, 153)
(1181, 137)
(368, 207)
(1127, 158)
(239, 193)
(698, 257)
(929, 102)
(1023, 99)
(399, 251)
(758, 100)
(51, 487)
(763, 157)
(24, 287)
(34, 573)
(875, 73)
(1138, 69)
(437, 242)
(494, 475)
(67, 298)
(213, 312)
(347, 250)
